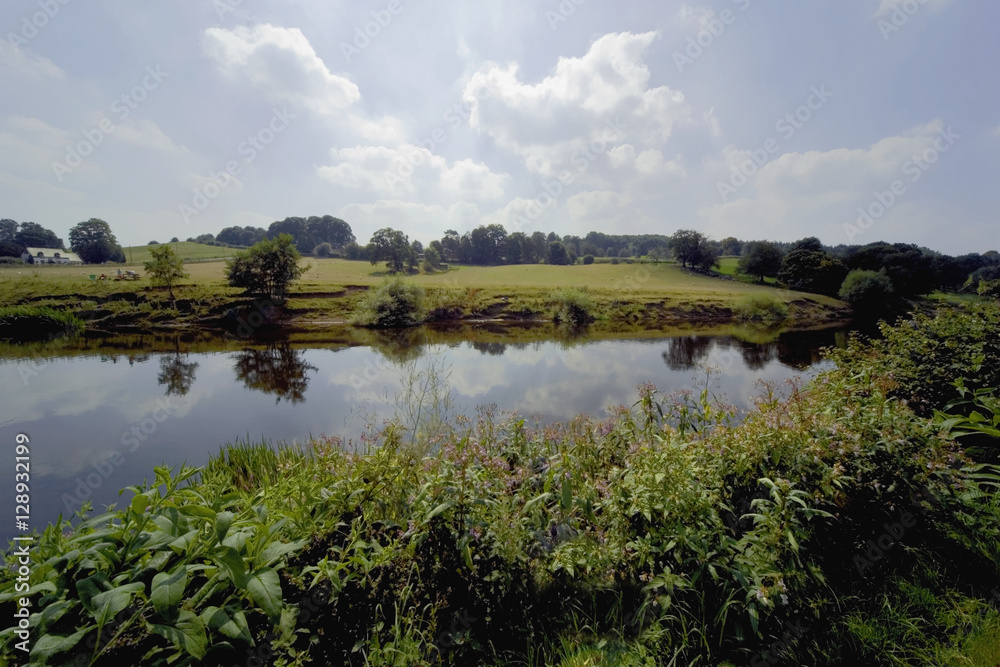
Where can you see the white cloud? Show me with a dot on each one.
(816, 193)
(412, 171)
(420, 221)
(602, 98)
(146, 134)
(24, 65)
(282, 63)
(996, 132)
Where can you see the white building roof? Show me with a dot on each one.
(50, 253)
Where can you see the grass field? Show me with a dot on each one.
(136, 255)
(728, 266)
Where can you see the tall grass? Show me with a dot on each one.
(761, 308)
(394, 304)
(573, 306)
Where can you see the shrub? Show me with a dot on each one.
(27, 323)
(588, 259)
(268, 268)
(394, 304)
(573, 306)
(11, 260)
(764, 308)
(323, 250)
(867, 291)
(615, 260)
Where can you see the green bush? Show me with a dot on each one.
(395, 304)
(31, 323)
(323, 250)
(573, 306)
(11, 260)
(763, 308)
(867, 291)
(588, 259)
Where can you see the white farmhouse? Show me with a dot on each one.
(49, 256)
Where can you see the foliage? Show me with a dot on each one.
(94, 242)
(11, 260)
(762, 259)
(27, 323)
(588, 260)
(323, 250)
(868, 292)
(394, 304)
(166, 267)
(307, 233)
(392, 247)
(694, 248)
(573, 306)
(268, 268)
(764, 308)
(809, 270)
(432, 260)
(29, 235)
(989, 288)
(558, 256)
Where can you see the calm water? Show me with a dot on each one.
(98, 423)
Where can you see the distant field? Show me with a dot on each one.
(728, 265)
(187, 251)
(655, 281)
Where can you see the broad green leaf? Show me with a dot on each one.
(12, 594)
(48, 646)
(438, 510)
(232, 564)
(183, 543)
(140, 503)
(567, 494)
(265, 589)
(229, 621)
(188, 634)
(109, 603)
(40, 623)
(198, 511)
(277, 550)
(167, 592)
(223, 520)
(87, 589)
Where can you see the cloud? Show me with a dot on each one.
(282, 63)
(413, 171)
(815, 193)
(147, 134)
(886, 6)
(417, 220)
(24, 65)
(549, 122)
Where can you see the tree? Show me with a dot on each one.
(33, 235)
(687, 245)
(867, 291)
(588, 259)
(808, 243)
(707, 257)
(432, 259)
(166, 267)
(175, 240)
(323, 250)
(268, 268)
(329, 229)
(94, 242)
(451, 243)
(557, 254)
(8, 231)
(812, 271)
(153, 243)
(762, 259)
(390, 246)
(731, 246)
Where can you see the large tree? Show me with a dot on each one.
(761, 259)
(390, 246)
(329, 229)
(33, 235)
(812, 271)
(687, 246)
(94, 242)
(268, 268)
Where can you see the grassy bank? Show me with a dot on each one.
(333, 290)
(834, 527)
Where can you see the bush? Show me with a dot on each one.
(573, 306)
(395, 304)
(615, 260)
(268, 268)
(867, 291)
(323, 250)
(11, 260)
(588, 259)
(31, 323)
(763, 308)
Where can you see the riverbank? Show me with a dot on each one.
(836, 527)
(645, 295)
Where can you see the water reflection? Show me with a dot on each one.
(176, 373)
(799, 350)
(276, 369)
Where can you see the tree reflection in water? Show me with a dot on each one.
(276, 369)
(176, 373)
(685, 352)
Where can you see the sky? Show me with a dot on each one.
(852, 120)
